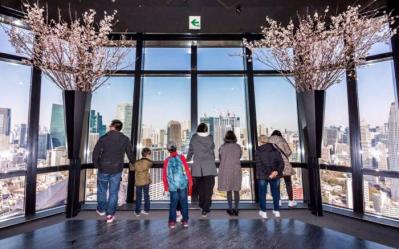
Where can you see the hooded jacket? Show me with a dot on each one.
(285, 151)
(202, 151)
(268, 159)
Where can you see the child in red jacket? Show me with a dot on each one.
(178, 181)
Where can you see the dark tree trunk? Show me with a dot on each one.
(311, 121)
(77, 109)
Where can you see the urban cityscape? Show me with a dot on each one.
(380, 146)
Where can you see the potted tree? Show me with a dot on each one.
(313, 53)
(78, 56)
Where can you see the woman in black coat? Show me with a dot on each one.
(269, 169)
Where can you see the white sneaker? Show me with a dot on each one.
(179, 217)
(276, 214)
(145, 212)
(280, 203)
(263, 214)
(100, 213)
(137, 214)
(292, 203)
(110, 218)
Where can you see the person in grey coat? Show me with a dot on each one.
(230, 175)
(201, 151)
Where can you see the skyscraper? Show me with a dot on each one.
(57, 126)
(5, 121)
(124, 114)
(22, 135)
(218, 126)
(393, 147)
(96, 124)
(44, 143)
(174, 132)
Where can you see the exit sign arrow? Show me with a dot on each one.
(194, 22)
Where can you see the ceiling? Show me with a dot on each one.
(171, 16)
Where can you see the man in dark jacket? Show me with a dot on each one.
(108, 157)
(269, 169)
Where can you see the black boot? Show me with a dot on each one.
(230, 212)
(236, 211)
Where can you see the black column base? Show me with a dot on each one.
(73, 205)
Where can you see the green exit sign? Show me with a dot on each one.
(194, 22)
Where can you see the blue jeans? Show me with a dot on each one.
(178, 196)
(108, 182)
(139, 197)
(262, 191)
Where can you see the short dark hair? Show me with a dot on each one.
(230, 137)
(117, 124)
(171, 146)
(277, 133)
(202, 127)
(145, 152)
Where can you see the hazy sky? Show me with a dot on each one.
(167, 98)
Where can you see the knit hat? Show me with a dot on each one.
(171, 146)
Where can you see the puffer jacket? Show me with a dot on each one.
(285, 151)
(268, 159)
(142, 171)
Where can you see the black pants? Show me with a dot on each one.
(204, 187)
(194, 192)
(288, 185)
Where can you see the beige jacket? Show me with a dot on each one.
(142, 171)
(285, 151)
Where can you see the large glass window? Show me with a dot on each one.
(12, 197)
(128, 62)
(172, 58)
(105, 108)
(381, 196)
(335, 145)
(276, 109)
(336, 188)
(222, 105)
(5, 44)
(220, 59)
(165, 114)
(14, 105)
(91, 185)
(51, 190)
(379, 116)
(52, 136)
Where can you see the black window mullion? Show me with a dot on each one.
(136, 114)
(33, 131)
(251, 113)
(194, 89)
(355, 141)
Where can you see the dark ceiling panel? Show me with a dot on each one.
(171, 16)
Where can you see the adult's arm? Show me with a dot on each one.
(190, 153)
(188, 173)
(279, 162)
(129, 150)
(286, 148)
(165, 175)
(97, 152)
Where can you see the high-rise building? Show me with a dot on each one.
(5, 121)
(124, 114)
(218, 126)
(174, 132)
(44, 144)
(365, 144)
(96, 124)
(22, 135)
(393, 147)
(57, 126)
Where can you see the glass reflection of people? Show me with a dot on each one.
(201, 151)
(269, 169)
(281, 144)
